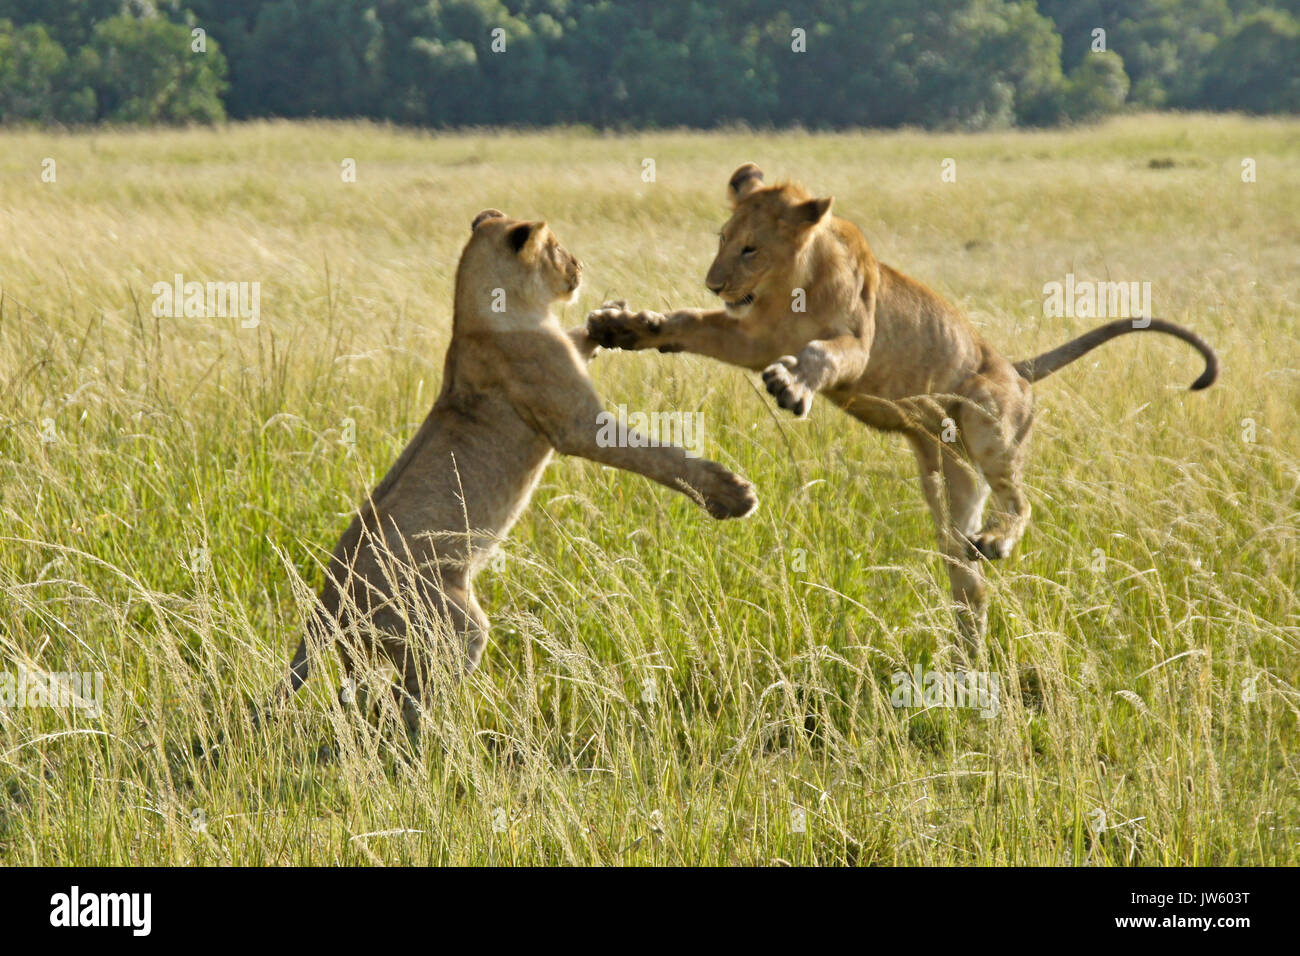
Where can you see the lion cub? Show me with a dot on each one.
(806, 302)
(515, 388)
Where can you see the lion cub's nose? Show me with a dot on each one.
(715, 288)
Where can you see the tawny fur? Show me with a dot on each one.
(808, 304)
(515, 388)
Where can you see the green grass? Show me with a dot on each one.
(1159, 574)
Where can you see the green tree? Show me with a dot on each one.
(314, 58)
(230, 23)
(1164, 43)
(68, 22)
(1255, 67)
(950, 63)
(420, 65)
(38, 81)
(1097, 87)
(969, 64)
(145, 71)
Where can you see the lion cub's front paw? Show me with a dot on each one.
(783, 381)
(615, 326)
(993, 546)
(726, 494)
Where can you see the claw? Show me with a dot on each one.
(781, 381)
(994, 547)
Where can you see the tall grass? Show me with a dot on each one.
(659, 687)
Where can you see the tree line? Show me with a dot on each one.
(967, 64)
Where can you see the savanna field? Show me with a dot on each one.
(659, 688)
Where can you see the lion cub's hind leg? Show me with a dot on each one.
(353, 691)
(955, 495)
(995, 423)
(453, 612)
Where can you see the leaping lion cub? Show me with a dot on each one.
(515, 387)
(885, 348)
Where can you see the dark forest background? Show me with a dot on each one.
(970, 64)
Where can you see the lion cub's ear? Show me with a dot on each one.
(743, 182)
(486, 214)
(813, 211)
(522, 237)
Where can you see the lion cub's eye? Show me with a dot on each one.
(748, 251)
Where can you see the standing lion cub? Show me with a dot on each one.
(807, 303)
(515, 387)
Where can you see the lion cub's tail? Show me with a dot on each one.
(1044, 365)
(298, 670)
(297, 676)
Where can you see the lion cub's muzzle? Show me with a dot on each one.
(573, 278)
(736, 306)
(730, 299)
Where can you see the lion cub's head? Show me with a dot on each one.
(759, 251)
(512, 270)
